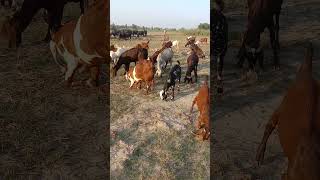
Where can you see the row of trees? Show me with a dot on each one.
(201, 26)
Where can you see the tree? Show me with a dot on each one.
(204, 26)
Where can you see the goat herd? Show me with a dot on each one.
(146, 67)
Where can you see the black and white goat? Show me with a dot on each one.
(174, 75)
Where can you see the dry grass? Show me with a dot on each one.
(48, 131)
(152, 138)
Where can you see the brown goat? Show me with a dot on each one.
(131, 55)
(202, 102)
(142, 72)
(262, 14)
(298, 122)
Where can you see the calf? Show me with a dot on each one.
(22, 18)
(202, 102)
(298, 122)
(80, 43)
(261, 15)
(174, 75)
(131, 55)
(192, 62)
(142, 72)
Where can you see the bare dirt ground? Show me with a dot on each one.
(48, 131)
(152, 138)
(241, 115)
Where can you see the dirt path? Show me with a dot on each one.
(241, 115)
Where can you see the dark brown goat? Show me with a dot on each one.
(192, 62)
(298, 122)
(262, 14)
(131, 55)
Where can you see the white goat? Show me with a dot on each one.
(163, 59)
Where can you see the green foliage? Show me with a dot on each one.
(204, 26)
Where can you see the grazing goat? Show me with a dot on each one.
(131, 55)
(174, 75)
(261, 15)
(163, 59)
(298, 122)
(80, 43)
(192, 62)
(142, 72)
(22, 18)
(202, 102)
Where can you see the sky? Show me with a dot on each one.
(160, 13)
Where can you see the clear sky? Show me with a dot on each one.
(160, 13)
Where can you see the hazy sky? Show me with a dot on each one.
(160, 13)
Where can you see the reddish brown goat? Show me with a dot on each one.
(142, 72)
(298, 122)
(202, 102)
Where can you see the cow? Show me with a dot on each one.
(174, 75)
(262, 14)
(192, 62)
(142, 72)
(79, 43)
(202, 102)
(131, 55)
(298, 122)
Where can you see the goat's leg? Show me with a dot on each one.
(71, 68)
(172, 93)
(274, 48)
(196, 73)
(272, 123)
(193, 102)
(277, 27)
(126, 68)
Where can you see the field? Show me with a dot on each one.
(48, 131)
(242, 113)
(152, 138)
